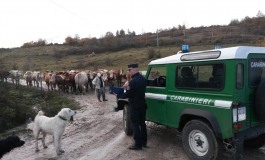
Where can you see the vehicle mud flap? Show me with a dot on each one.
(239, 148)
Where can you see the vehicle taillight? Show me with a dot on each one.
(237, 125)
(235, 104)
(239, 112)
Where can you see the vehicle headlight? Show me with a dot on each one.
(239, 114)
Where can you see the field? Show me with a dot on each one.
(57, 57)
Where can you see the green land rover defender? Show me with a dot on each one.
(215, 98)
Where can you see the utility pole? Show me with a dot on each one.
(157, 41)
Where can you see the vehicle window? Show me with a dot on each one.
(210, 76)
(240, 75)
(157, 76)
(256, 71)
(185, 77)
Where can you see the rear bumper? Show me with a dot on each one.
(251, 132)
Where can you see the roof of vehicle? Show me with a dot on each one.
(238, 52)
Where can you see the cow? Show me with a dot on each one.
(72, 85)
(52, 81)
(111, 78)
(91, 76)
(4, 75)
(15, 76)
(128, 76)
(62, 80)
(49, 78)
(59, 81)
(105, 76)
(81, 81)
(28, 78)
(36, 78)
(66, 81)
(119, 75)
(92, 54)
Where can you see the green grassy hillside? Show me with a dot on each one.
(48, 58)
(116, 51)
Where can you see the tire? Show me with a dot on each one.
(199, 141)
(127, 124)
(259, 104)
(255, 143)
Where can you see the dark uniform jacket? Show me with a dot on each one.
(136, 93)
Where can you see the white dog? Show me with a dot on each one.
(52, 125)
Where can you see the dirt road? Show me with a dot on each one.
(97, 134)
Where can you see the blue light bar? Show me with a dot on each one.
(185, 48)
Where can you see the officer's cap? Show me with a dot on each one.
(131, 66)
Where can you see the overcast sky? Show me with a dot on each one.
(24, 21)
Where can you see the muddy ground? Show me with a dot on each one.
(97, 134)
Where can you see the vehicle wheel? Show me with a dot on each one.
(255, 143)
(260, 101)
(199, 141)
(127, 124)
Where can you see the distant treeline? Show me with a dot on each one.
(247, 30)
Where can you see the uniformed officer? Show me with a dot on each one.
(135, 91)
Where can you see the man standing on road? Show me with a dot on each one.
(135, 91)
(100, 87)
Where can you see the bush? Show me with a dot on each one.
(109, 62)
(158, 54)
(151, 53)
(80, 64)
(17, 104)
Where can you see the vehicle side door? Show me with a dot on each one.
(156, 93)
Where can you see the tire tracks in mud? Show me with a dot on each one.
(93, 137)
(96, 128)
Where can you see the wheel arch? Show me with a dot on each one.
(121, 103)
(191, 114)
